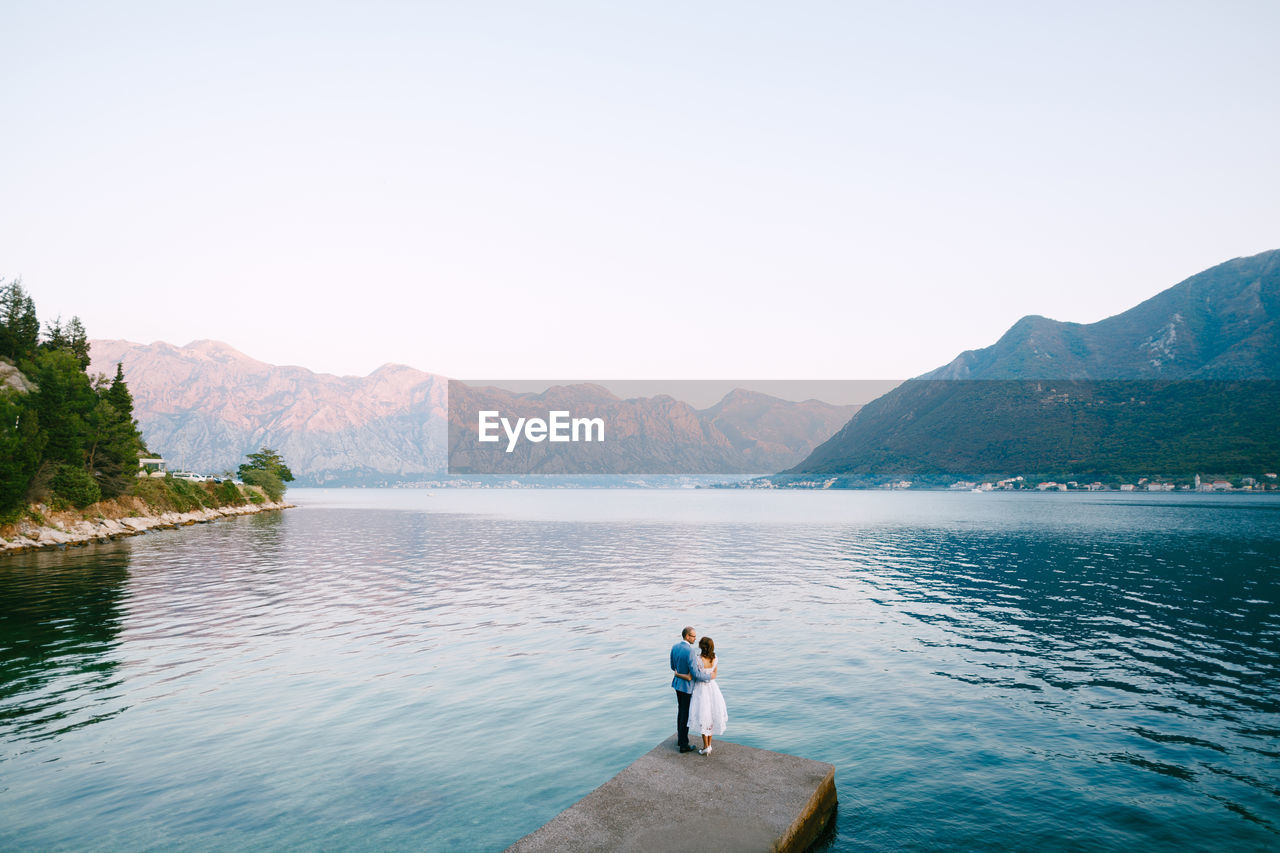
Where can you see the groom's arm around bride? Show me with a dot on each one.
(684, 663)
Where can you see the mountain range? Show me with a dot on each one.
(1184, 382)
(205, 405)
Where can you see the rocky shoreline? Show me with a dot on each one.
(31, 536)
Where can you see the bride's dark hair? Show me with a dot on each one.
(708, 648)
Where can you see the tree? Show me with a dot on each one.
(76, 485)
(114, 440)
(72, 337)
(19, 328)
(269, 460)
(119, 394)
(72, 436)
(266, 469)
(21, 446)
(112, 452)
(65, 401)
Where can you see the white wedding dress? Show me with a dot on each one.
(707, 712)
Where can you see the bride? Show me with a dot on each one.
(707, 712)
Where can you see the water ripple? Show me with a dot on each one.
(389, 670)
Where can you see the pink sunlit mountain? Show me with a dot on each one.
(205, 405)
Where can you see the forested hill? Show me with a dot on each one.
(1184, 383)
(64, 436)
(1223, 323)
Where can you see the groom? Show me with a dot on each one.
(682, 655)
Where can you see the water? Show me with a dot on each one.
(383, 670)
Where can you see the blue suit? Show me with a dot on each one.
(684, 661)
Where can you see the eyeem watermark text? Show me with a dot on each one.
(558, 426)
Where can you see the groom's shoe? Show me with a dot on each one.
(686, 748)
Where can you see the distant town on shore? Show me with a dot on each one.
(1264, 483)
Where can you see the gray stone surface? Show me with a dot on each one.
(736, 799)
(13, 379)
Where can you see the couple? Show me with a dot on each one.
(699, 703)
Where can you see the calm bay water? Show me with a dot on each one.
(390, 670)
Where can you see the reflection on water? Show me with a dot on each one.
(59, 641)
(392, 670)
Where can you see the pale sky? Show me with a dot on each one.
(800, 190)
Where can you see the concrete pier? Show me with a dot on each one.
(736, 799)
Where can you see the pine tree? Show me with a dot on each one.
(19, 328)
(72, 436)
(21, 446)
(119, 394)
(65, 400)
(114, 441)
(72, 337)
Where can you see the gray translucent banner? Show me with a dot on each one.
(646, 427)
(1047, 433)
